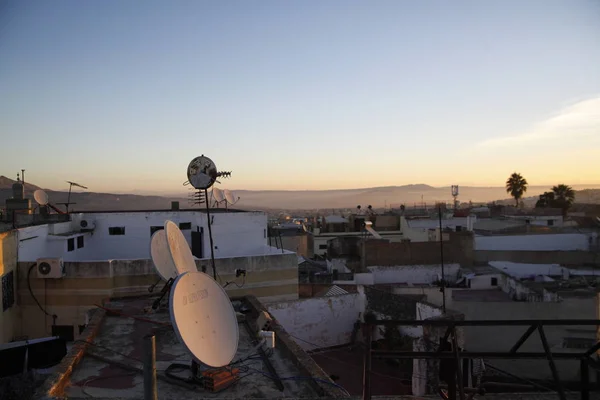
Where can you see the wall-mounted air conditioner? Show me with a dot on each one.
(87, 224)
(50, 268)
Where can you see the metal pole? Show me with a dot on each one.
(585, 380)
(459, 375)
(443, 283)
(559, 389)
(150, 390)
(367, 364)
(210, 238)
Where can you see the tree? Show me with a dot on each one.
(564, 196)
(546, 200)
(516, 185)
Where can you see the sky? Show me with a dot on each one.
(120, 96)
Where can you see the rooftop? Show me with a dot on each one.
(494, 295)
(111, 367)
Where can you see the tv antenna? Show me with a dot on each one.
(202, 174)
(68, 203)
(41, 197)
(204, 319)
(455, 195)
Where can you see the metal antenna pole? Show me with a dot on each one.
(69, 198)
(210, 238)
(443, 283)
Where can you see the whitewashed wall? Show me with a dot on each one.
(320, 321)
(550, 242)
(234, 235)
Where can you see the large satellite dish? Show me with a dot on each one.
(204, 319)
(41, 197)
(161, 256)
(202, 172)
(178, 248)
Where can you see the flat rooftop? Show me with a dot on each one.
(107, 368)
(493, 295)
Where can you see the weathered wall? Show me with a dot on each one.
(413, 273)
(539, 257)
(87, 283)
(557, 242)
(458, 249)
(9, 317)
(319, 322)
(299, 244)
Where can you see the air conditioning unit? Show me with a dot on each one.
(87, 224)
(50, 268)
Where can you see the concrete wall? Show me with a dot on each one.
(321, 321)
(299, 244)
(458, 249)
(413, 273)
(234, 234)
(557, 242)
(269, 278)
(9, 318)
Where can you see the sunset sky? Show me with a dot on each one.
(120, 96)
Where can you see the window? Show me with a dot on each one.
(494, 282)
(322, 247)
(116, 230)
(71, 244)
(8, 290)
(155, 228)
(185, 225)
(79, 242)
(550, 222)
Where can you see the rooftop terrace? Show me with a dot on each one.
(111, 367)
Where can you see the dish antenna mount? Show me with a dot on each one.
(41, 197)
(68, 203)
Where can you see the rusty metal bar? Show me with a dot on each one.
(559, 388)
(367, 365)
(593, 349)
(500, 322)
(472, 354)
(585, 379)
(459, 375)
(523, 338)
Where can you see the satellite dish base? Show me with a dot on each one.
(195, 376)
(166, 289)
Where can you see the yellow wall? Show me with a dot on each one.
(9, 319)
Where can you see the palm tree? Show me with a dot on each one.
(516, 185)
(546, 200)
(564, 196)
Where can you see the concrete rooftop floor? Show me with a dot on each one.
(121, 339)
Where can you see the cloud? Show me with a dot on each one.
(580, 120)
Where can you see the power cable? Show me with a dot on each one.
(54, 316)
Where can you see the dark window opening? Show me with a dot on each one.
(155, 228)
(79, 242)
(527, 222)
(550, 222)
(494, 282)
(71, 244)
(185, 225)
(81, 328)
(116, 230)
(322, 247)
(8, 291)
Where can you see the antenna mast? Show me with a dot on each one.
(455, 195)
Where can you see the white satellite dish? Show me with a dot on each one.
(161, 256)
(41, 197)
(204, 319)
(230, 197)
(218, 194)
(178, 247)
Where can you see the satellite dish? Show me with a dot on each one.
(41, 197)
(230, 197)
(161, 256)
(202, 172)
(218, 195)
(178, 248)
(204, 319)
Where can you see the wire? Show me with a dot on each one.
(54, 316)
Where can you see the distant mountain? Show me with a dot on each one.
(393, 196)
